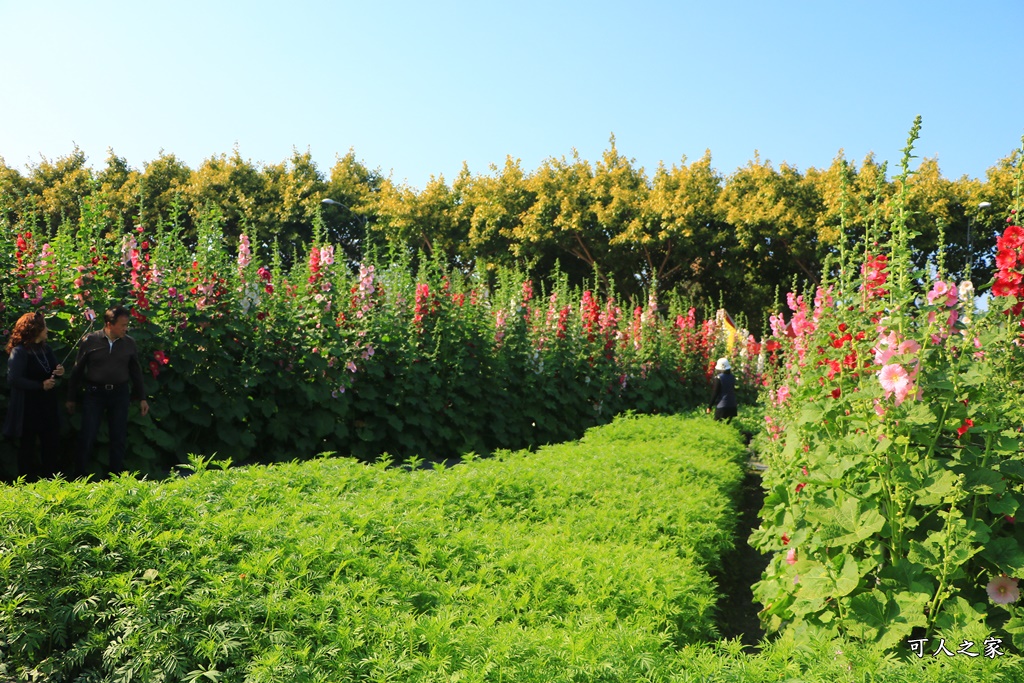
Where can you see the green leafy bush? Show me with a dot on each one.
(259, 363)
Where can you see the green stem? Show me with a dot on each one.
(947, 404)
(937, 601)
(984, 464)
(891, 512)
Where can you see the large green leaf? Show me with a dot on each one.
(1006, 504)
(937, 486)
(874, 617)
(859, 519)
(984, 481)
(869, 615)
(908, 577)
(1005, 553)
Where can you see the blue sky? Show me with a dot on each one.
(417, 88)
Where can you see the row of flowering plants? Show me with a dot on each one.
(895, 453)
(257, 362)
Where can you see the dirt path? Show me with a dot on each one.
(742, 568)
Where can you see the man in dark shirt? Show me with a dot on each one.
(106, 361)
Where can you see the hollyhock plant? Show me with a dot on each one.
(1009, 278)
(590, 312)
(875, 274)
(244, 252)
(912, 432)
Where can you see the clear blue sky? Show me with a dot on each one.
(416, 88)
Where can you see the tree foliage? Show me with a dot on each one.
(736, 238)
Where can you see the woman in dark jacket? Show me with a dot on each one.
(32, 411)
(723, 398)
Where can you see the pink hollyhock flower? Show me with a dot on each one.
(1002, 590)
(895, 380)
(954, 315)
(791, 559)
(886, 348)
(909, 346)
(244, 251)
(781, 395)
(939, 292)
(778, 325)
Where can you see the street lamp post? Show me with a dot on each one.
(330, 202)
(970, 251)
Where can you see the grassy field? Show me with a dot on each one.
(587, 561)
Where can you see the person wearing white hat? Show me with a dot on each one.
(723, 397)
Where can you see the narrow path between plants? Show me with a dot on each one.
(742, 568)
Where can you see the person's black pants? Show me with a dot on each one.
(31, 467)
(726, 414)
(97, 402)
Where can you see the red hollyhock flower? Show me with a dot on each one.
(800, 487)
(875, 275)
(154, 368)
(1005, 259)
(1003, 286)
(1012, 238)
(962, 429)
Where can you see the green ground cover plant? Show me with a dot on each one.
(583, 561)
